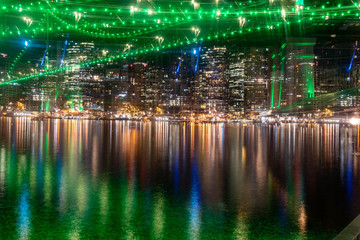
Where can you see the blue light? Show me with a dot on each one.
(43, 58)
(62, 58)
(179, 64)
(26, 43)
(352, 59)
(194, 51)
(197, 60)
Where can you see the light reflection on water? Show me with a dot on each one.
(24, 214)
(70, 179)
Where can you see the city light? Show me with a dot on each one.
(77, 16)
(242, 21)
(196, 31)
(149, 119)
(355, 121)
(159, 39)
(28, 21)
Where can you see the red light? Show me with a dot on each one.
(117, 74)
(131, 65)
(297, 66)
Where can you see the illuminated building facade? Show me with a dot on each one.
(198, 79)
(236, 89)
(79, 82)
(210, 82)
(299, 72)
(183, 91)
(256, 81)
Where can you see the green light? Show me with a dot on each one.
(281, 80)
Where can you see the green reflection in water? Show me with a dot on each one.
(241, 228)
(159, 216)
(71, 182)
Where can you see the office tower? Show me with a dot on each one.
(211, 80)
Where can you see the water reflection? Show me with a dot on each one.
(24, 214)
(130, 180)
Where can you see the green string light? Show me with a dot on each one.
(134, 53)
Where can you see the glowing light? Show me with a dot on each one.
(26, 43)
(218, 12)
(196, 5)
(352, 59)
(242, 21)
(196, 31)
(77, 16)
(283, 14)
(24, 220)
(354, 121)
(159, 39)
(123, 55)
(127, 47)
(28, 21)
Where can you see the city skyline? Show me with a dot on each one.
(202, 78)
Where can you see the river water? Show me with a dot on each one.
(82, 179)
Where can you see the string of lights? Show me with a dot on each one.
(16, 60)
(163, 24)
(87, 21)
(114, 13)
(96, 32)
(134, 53)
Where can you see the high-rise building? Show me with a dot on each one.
(332, 71)
(79, 80)
(137, 80)
(256, 81)
(299, 72)
(211, 80)
(236, 84)
(158, 88)
(185, 68)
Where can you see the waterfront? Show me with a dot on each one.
(131, 180)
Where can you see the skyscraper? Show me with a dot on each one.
(299, 73)
(236, 88)
(256, 81)
(210, 83)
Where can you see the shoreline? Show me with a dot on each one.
(243, 121)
